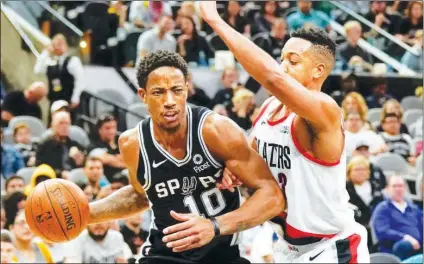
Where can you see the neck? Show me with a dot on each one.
(23, 245)
(60, 138)
(351, 43)
(400, 201)
(414, 20)
(172, 140)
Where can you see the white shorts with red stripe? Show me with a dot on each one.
(349, 246)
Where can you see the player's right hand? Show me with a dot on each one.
(228, 181)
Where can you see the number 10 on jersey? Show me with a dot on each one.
(206, 199)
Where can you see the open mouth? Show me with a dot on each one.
(171, 116)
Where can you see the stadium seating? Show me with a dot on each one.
(36, 125)
(374, 115)
(141, 110)
(384, 258)
(26, 174)
(411, 102)
(411, 116)
(392, 163)
(75, 133)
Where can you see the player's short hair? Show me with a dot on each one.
(319, 38)
(156, 60)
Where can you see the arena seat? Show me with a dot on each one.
(374, 115)
(419, 164)
(411, 116)
(129, 47)
(112, 95)
(76, 133)
(36, 126)
(383, 258)
(411, 102)
(141, 109)
(418, 183)
(215, 42)
(26, 174)
(392, 162)
(77, 175)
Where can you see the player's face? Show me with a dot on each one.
(166, 95)
(296, 61)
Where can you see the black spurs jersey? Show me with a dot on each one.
(185, 186)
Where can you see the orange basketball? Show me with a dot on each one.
(57, 210)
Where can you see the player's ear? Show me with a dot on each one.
(142, 93)
(319, 71)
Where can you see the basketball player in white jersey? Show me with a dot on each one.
(299, 133)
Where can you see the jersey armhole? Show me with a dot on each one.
(205, 149)
(264, 107)
(145, 157)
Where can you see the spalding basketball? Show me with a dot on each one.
(57, 210)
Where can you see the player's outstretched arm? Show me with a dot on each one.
(227, 142)
(128, 200)
(318, 108)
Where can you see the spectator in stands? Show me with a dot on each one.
(42, 173)
(398, 224)
(157, 38)
(87, 189)
(22, 138)
(242, 109)
(354, 132)
(60, 105)
(118, 181)
(377, 174)
(2, 218)
(355, 103)
(349, 52)
(133, 234)
(273, 42)
(145, 14)
(364, 192)
(58, 150)
(12, 204)
(397, 142)
(190, 44)
(14, 183)
(28, 251)
(413, 61)
(11, 160)
(187, 9)
(107, 138)
(305, 16)
(7, 247)
(348, 84)
(412, 23)
(233, 17)
(266, 17)
(196, 95)
(98, 244)
(65, 73)
(93, 170)
(379, 93)
(229, 80)
(393, 106)
(23, 103)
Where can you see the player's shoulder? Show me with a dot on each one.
(129, 139)
(222, 134)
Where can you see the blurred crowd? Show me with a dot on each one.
(383, 135)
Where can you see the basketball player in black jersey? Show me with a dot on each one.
(174, 159)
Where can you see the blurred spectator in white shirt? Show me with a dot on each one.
(65, 73)
(353, 124)
(99, 244)
(157, 38)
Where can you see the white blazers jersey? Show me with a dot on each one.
(317, 200)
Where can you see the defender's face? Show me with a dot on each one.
(166, 94)
(296, 61)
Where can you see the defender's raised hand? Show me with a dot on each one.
(209, 12)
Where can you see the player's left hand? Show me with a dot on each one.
(194, 231)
